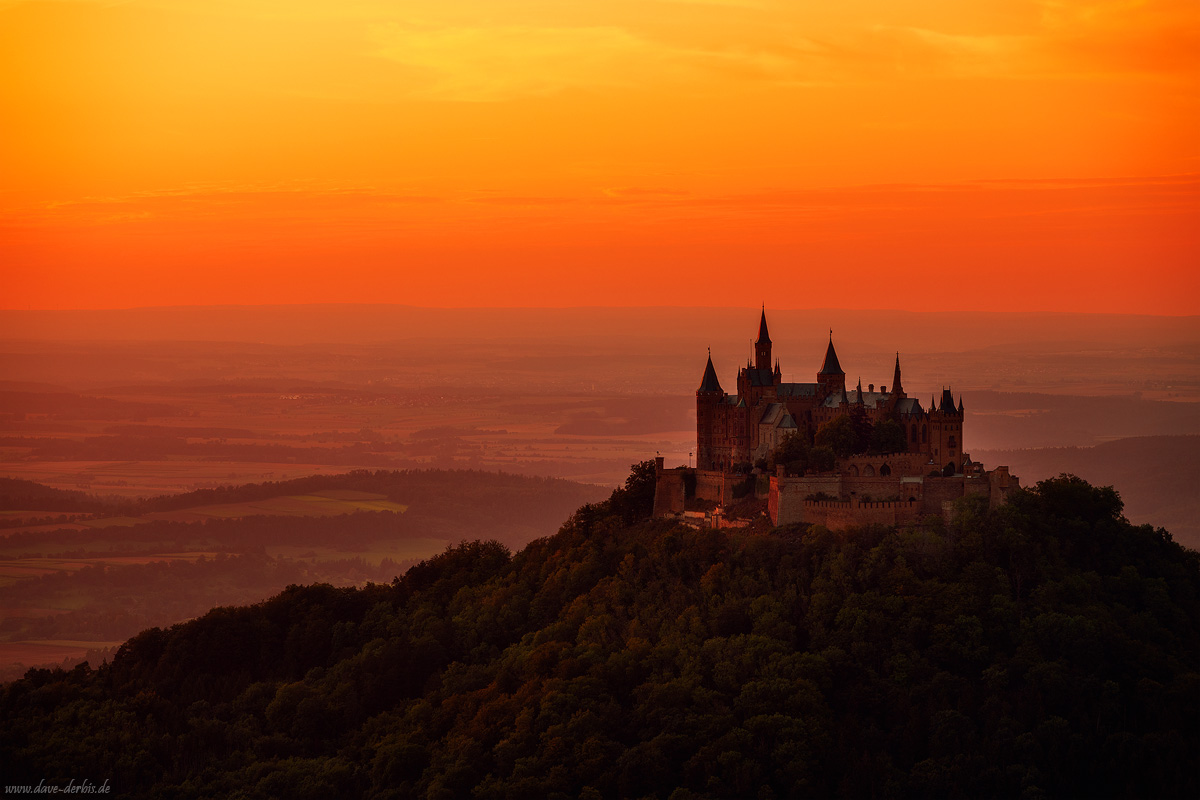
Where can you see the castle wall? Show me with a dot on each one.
(838, 515)
(939, 491)
(1001, 483)
(918, 497)
(897, 464)
(785, 501)
(670, 494)
(715, 485)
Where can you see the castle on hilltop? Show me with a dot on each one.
(925, 471)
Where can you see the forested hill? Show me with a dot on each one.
(1044, 649)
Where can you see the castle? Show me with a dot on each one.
(735, 432)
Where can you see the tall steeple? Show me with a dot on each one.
(762, 347)
(831, 366)
(896, 387)
(709, 382)
(831, 378)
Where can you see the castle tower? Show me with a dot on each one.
(708, 402)
(762, 347)
(831, 378)
(946, 432)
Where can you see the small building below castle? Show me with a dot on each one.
(736, 435)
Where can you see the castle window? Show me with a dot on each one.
(868, 471)
(951, 442)
(914, 433)
(924, 434)
(885, 470)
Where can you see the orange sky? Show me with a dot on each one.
(915, 154)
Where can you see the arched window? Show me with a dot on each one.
(914, 433)
(952, 440)
(868, 471)
(885, 470)
(924, 434)
(852, 471)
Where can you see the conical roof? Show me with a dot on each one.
(831, 366)
(763, 336)
(896, 377)
(709, 382)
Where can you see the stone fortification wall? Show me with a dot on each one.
(670, 494)
(838, 515)
(716, 486)
(888, 464)
(1001, 483)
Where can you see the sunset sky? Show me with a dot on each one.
(913, 154)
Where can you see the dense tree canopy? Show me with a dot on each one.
(1045, 648)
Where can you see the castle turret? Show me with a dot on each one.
(708, 403)
(831, 378)
(709, 383)
(945, 433)
(762, 347)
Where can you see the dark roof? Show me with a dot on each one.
(909, 405)
(831, 365)
(763, 337)
(760, 377)
(947, 401)
(797, 390)
(709, 382)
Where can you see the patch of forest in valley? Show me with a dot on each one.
(94, 571)
(1043, 648)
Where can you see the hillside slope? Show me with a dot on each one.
(1044, 649)
(1158, 476)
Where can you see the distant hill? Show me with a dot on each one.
(1158, 477)
(79, 583)
(18, 494)
(1043, 649)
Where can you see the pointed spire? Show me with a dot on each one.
(859, 399)
(709, 382)
(763, 336)
(960, 405)
(831, 366)
(896, 388)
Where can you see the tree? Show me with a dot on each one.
(888, 437)
(636, 500)
(792, 453)
(838, 436)
(821, 459)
